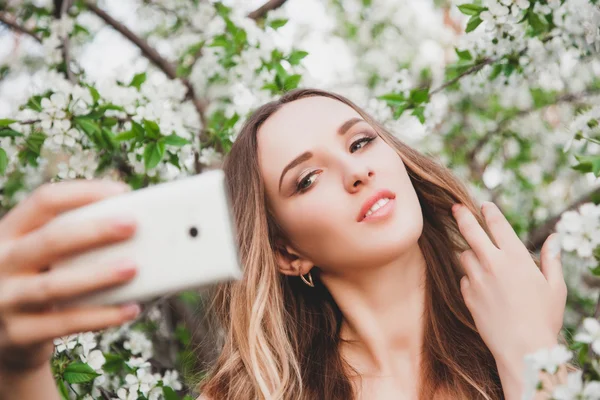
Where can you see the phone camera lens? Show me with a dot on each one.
(193, 231)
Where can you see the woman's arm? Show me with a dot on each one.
(517, 306)
(30, 385)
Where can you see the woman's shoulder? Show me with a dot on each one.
(203, 397)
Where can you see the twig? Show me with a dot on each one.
(66, 52)
(479, 66)
(597, 309)
(537, 237)
(471, 70)
(265, 8)
(11, 23)
(148, 51)
(151, 54)
(567, 98)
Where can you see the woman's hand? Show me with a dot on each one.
(517, 307)
(29, 244)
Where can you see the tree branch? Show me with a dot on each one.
(566, 98)
(66, 51)
(11, 23)
(537, 237)
(265, 8)
(151, 54)
(471, 70)
(479, 66)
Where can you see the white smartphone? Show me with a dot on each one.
(185, 239)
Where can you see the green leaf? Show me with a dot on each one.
(34, 142)
(94, 93)
(538, 22)
(291, 82)
(138, 80)
(87, 125)
(6, 122)
(595, 271)
(35, 103)
(9, 133)
(62, 390)
(110, 106)
(393, 98)
(496, 71)
(140, 132)
(278, 23)
(153, 154)
(174, 140)
(419, 112)
(79, 372)
(3, 161)
(170, 393)
(109, 138)
(77, 29)
(588, 164)
(473, 23)
(399, 111)
(297, 56)
(182, 334)
(152, 129)
(123, 136)
(114, 363)
(596, 253)
(470, 9)
(220, 41)
(464, 54)
(419, 96)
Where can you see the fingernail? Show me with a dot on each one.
(118, 185)
(124, 224)
(554, 246)
(131, 310)
(126, 268)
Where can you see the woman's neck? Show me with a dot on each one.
(382, 307)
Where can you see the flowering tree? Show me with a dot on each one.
(504, 92)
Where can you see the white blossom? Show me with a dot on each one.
(590, 334)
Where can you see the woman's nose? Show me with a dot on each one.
(358, 175)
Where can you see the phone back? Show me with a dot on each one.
(185, 238)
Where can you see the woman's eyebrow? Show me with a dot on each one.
(345, 127)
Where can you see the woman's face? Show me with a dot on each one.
(345, 170)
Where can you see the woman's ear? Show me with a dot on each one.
(290, 262)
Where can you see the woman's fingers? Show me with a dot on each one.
(551, 265)
(502, 231)
(474, 234)
(31, 328)
(474, 271)
(62, 283)
(59, 239)
(51, 199)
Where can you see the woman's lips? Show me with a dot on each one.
(382, 213)
(378, 195)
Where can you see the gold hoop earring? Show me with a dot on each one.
(309, 282)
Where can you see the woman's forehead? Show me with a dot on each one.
(303, 119)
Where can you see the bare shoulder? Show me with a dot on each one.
(203, 397)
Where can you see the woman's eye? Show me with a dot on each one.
(301, 187)
(364, 140)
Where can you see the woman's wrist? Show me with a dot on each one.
(511, 366)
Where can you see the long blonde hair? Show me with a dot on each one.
(281, 337)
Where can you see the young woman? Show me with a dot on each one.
(370, 273)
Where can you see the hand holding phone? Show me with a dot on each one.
(185, 239)
(29, 242)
